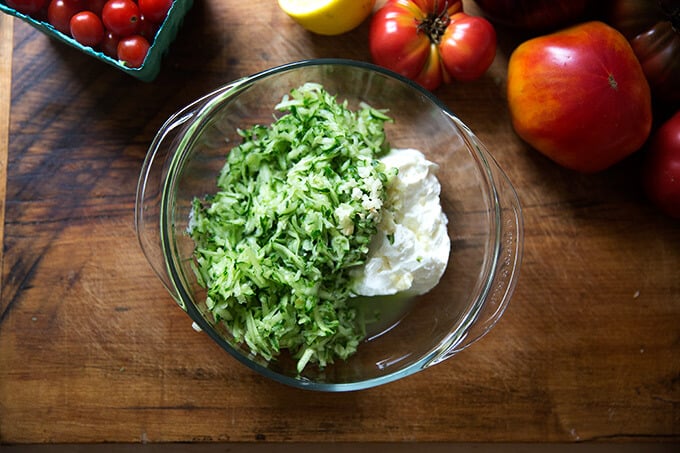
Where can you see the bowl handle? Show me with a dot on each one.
(507, 259)
(152, 178)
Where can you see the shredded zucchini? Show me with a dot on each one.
(298, 203)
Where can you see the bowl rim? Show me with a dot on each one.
(435, 354)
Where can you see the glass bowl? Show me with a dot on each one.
(484, 218)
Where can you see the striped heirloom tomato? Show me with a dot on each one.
(431, 41)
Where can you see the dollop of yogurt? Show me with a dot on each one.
(410, 251)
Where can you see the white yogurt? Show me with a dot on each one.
(410, 251)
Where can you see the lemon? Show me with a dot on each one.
(328, 17)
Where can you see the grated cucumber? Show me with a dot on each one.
(298, 204)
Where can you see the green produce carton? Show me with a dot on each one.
(159, 47)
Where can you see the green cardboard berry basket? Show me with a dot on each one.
(152, 64)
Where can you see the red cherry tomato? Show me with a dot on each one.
(109, 45)
(155, 10)
(60, 12)
(96, 6)
(147, 28)
(132, 50)
(121, 17)
(431, 41)
(662, 167)
(27, 6)
(87, 28)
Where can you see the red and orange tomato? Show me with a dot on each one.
(579, 96)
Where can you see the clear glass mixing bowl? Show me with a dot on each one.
(485, 220)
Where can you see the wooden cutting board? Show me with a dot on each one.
(92, 348)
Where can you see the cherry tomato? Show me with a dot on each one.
(96, 6)
(662, 167)
(121, 17)
(155, 10)
(147, 28)
(87, 28)
(132, 50)
(109, 45)
(431, 41)
(27, 6)
(60, 12)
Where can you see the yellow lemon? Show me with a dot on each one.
(328, 17)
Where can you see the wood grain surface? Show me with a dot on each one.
(92, 348)
(5, 100)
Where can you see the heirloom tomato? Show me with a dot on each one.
(662, 167)
(431, 41)
(579, 96)
(534, 15)
(653, 29)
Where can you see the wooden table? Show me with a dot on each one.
(92, 348)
